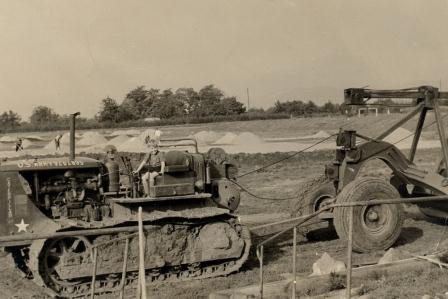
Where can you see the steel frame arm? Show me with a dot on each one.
(360, 96)
(405, 119)
(427, 99)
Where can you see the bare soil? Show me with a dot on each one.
(279, 182)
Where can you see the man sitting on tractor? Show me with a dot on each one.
(155, 161)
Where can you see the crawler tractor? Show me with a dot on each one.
(54, 210)
(377, 227)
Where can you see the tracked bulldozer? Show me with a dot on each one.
(55, 210)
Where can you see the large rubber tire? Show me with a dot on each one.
(314, 193)
(374, 227)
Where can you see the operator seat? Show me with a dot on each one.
(176, 161)
(178, 177)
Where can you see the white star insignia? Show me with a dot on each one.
(21, 226)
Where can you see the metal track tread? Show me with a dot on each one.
(110, 283)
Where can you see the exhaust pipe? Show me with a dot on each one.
(72, 134)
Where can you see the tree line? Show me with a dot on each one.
(141, 103)
(184, 105)
(300, 108)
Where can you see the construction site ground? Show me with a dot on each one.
(285, 180)
(280, 181)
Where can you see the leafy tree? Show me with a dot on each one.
(138, 94)
(279, 107)
(256, 110)
(189, 98)
(329, 107)
(43, 115)
(209, 100)
(109, 111)
(343, 108)
(230, 106)
(290, 107)
(151, 96)
(167, 105)
(210, 94)
(297, 108)
(124, 114)
(9, 120)
(138, 101)
(166, 108)
(300, 108)
(311, 107)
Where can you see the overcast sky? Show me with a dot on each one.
(69, 55)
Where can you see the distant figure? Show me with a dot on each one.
(155, 161)
(19, 145)
(57, 142)
(155, 136)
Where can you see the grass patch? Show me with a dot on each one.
(336, 281)
(410, 284)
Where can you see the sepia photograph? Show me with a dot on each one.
(223, 149)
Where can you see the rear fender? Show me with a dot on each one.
(355, 159)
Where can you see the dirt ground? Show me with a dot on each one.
(279, 181)
(282, 181)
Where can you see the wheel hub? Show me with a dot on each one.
(372, 216)
(63, 252)
(375, 218)
(323, 201)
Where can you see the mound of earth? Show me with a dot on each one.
(134, 144)
(320, 134)
(7, 138)
(248, 138)
(34, 138)
(26, 143)
(148, 133)
(11, 145)
(117, 133)
(96, 148)
(65, 139)
(206, 137)
(132, 132)
(228, 138)
(120, 139)
(50, 148)
(91, 138)
(245, 138)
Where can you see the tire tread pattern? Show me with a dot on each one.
(355, 191)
